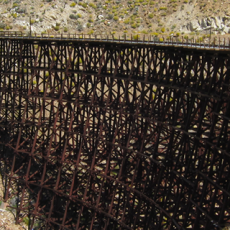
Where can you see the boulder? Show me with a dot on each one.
(218, 23)
(194, 25)
(203, 23)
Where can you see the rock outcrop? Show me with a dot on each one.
(218, 24)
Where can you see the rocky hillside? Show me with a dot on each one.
(117, 17)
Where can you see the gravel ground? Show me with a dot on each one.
(7, 219)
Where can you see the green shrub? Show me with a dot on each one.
(151, 15)
(73, 4)
(32, 21)
(92, 5)
(15, 5)
(56, 28)
(80, 27)
(110, 16)
(136, 37)
(2, 25)
(134, 25)
(91, 32)
(144, 32)
(73, 16)
(163, 8)
(115, 18)
(83, 4)
(26, 220)
(14, 15)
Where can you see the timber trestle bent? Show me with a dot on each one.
(103, 135)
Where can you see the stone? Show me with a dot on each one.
(218, 22)
(100, 17)
(194, 25)
(53, 16)
(204, 23)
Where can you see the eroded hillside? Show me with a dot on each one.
(117, 17)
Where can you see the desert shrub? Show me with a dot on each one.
(26, 220)
(173, 27)
(14, 15)
(134, 25)
(92, 5)
(91, 32)
(73, 16)
(56, 28)
(15, 5)
(83, 4)
(110, 16)
(20, 10)
(136, 37)
(151, 15)
(73, 4)
(2, 25)
(115, 18)
(32, 21)
(80, 27)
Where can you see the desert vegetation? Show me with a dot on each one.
(117, 17)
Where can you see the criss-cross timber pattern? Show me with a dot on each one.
(115, 136)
